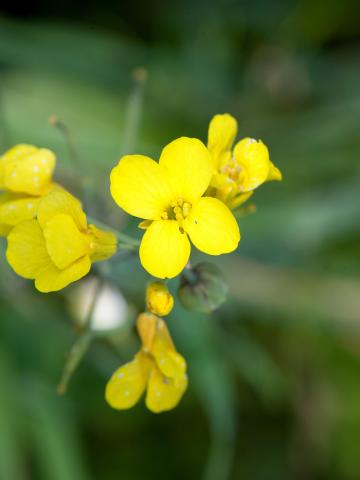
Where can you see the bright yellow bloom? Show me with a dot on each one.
(25, 176)
(58, 247)
(158, 299)
(168, 195)
(157, 368)
(240, 171)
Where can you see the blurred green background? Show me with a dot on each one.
(274, 374)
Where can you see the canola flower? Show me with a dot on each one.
(157, 368)
(168, 195)
(240, 170)
(58, 247)
(25, 176)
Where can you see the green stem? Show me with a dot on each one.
(134, 110)
(81, 345)
(76, 353)
(128, 242)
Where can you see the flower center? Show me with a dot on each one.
(232, 170)
(178, 210)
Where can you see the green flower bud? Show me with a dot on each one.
(202, 288)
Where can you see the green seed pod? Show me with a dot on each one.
(202, 288)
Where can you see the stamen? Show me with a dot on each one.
(178, 210)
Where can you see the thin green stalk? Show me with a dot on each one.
(81, 345)
(134, 111)
(75, 158)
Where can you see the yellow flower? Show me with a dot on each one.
(158, 299)
(240, 171)
(157, 368)
(58, 247)
(25, 176)
(168, 195)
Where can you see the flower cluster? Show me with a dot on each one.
(237, 172)
(189, 194)
(188, 197)
(48, 237)
(157, 368)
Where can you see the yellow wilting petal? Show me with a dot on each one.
(146, 325)
(221, 136)
(253, 158)
(212, 227)
(26, 251)
(52, 279)
(64, 243)
(170, 362)
(60, 201)
(27, 169)
(103, 244)
(128, 383)
(164, 250)
(156, 339)
(164, 393)
(15, 209)
(162, 339)
(188, 167)
(138, 185)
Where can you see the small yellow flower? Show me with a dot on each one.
(25, 176)
(168, 195)
(157, 368)
(58, 247)
(240, 171)
(158, 299)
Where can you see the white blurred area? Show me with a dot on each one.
(100, 300)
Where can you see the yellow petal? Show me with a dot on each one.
(188, 167)
(164, 393)
(9, 157)
(164, 250)
(15, 209)
(156, 339)
(27, 169)
(168, 360)
(103, 244)
(253, 158)
(146, 325)
(138, 185)
(26, 251)
(212, 227)
(274, 173)
(222, 133)
(52, 279)
(128, 383)
(60, 201)
(240, 199)
(64, 243)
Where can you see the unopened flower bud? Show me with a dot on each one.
(202, 288)
(158, 299)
